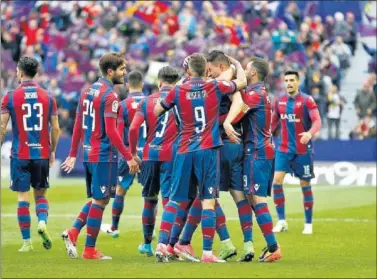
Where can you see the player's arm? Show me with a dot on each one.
(69, 163)
(111, 115)
(167, 103)
(5, 116)
(55, 131)
(240, 80)
(275, 116)
(133, 134)
(316, 121)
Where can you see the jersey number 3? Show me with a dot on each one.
(29, 109)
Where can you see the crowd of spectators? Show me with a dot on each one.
(68, 38)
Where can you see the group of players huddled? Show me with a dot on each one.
(207, 132)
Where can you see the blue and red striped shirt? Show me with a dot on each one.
(127, 110)
(162, 131)
(294, 115)
(257, 122)
(96, 103)
(30, 108)
(198, 104)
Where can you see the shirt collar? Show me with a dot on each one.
(299, 93)
(166, 88)
(136, 93)
(28, 83)
(254, 85)
(196, 79)
(105, 80)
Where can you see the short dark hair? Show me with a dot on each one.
(198, 63)
(112, 61)
(261, 67)
(217, 57)
(168, 74)
(135, 79)
(287, 73)
(28, 65)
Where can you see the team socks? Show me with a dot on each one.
(208, 228)
(93, 224)
(192, 222)
(308, 203)
(168, 217)
(80, 221)
(41, 208)
(23, 216)
(245, 215)
(149, 219)
(118, 205)
(221, 227)
(264, 220)
(179, 222)
(279, 200)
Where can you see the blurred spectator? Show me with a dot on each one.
(284, 39)
(343, 52)
(365, 128)
(334, 111)
(341, 27)
(365, 101)
(293, 15)
(351, 39)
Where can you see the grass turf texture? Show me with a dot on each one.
(343, 244)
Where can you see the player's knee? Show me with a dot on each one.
(279, 177)
(237, 195)
(120, 191)
(24, 196)
(101, 202)
(304, 183)
(39, 192)
(258, 199)
(208, 204)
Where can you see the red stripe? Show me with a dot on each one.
(148, 220)
(284, 127)
(308, 204)
(307, 193)
(44, 136)
(42, 201)
(279, 201)
(244, 209)
(95, 213)
(23, 211)
(93, 232)
(208, 232)
(278, 190)
(24, 225)
(299, 126)
(42, 211)
(18, 100)
(261, 210)
(188, 120)
(266, 228)
(211, 110)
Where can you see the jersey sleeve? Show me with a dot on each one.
(169, 100)
(310, 103)
(252, 99)
(226, 87)
(112, 105)
(5, 104)
(275, 116)
(120, 115)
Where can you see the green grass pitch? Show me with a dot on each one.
(343, 244)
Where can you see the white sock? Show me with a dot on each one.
(207, 253)
(27, 241)
(225, 240)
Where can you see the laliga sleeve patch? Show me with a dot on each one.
(115, 106)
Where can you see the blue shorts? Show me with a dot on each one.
(231, 157)
(196, 168)
(300, 166)
(24, 173)
(155, 177)
(258, 175)
(125, 179)
(101, 179)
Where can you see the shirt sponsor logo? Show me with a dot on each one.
(291, 117)
(282, 103)
(155, 146)
(93, 92)
(133, 105)
(298, 104)
(34, 145)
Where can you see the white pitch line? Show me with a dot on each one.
(232, 218)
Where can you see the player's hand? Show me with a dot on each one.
(231, 133)
(52, 159)
(137, 159)
(134, 166)
(232, 60)
(305, 137)
(68, 164)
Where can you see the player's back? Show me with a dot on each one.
(162, 131)
(127, 110)
(198, 104)
(295, 119)
(30, 108)
(96, 144)
(257, 123)
(225, 105)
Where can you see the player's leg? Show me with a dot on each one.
(179, 193)
(206, 168)
(70, 235)
(226, 157)
(104, 180)
(20, 183)
(282, 166)
(151, 187)
(260, 187)
(39, 181)
(303, 168)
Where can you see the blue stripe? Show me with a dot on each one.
(261, 126)
(105, 141)
(16, 133)
(291, 126)
(33, 120)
